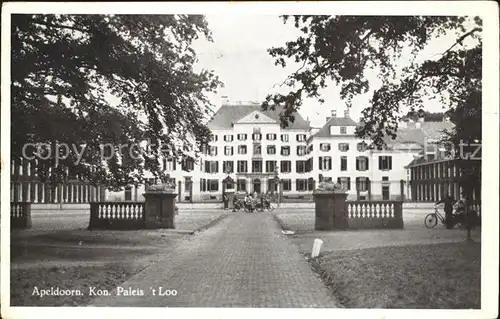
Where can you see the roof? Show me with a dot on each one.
(334, 121)
(412, 134)
(227, 114)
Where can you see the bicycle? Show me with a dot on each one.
(431, 220)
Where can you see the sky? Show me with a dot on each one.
(238, 55)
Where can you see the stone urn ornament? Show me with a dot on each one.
(328, 186)
(167, 186)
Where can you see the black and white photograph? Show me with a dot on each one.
(202, 156)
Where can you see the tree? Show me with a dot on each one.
(102, 83)
(427, 116)
(340, 49)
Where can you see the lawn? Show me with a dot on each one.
(437, 276)
(80, 258)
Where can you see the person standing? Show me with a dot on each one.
(448, 209)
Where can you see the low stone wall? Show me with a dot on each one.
(20, 215)
(374, 214)
(125, 215)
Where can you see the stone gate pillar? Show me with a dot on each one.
(330, 209)
(159, 209)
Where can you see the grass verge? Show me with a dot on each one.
(438, 276)
(82, 277)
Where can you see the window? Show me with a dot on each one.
(242, 166)
(211, 166)
(309, 165)
(325, 163)
(343, 163)
(256, 136)
(362, 147)
(187, 164)
(301, 150)
(228, 138)
(187, 184)
(271, 137)
(228, 150)
(385, 163)
(128, 193)
(212, 185)
(213, 151)
(242, 137)
(309, 149)
(301, 137)
(362, 184)
(343, 130)
(361, 163)
(203, 185)
(286, 166)
(385, 178)
(324, 147)
(287, 185)
(241, 185)
(242, 149)
(285, 150)
(300, 166)
(301, 185)
(257, 166)
(345, 182)
(257, 150)
(228, 166)
(270, 166)
(213, 138)
(169, 164)
(271, 149)
(204, 149)
(284, 137)
(343, 147)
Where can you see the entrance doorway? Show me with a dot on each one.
(385, 193)
(256, 186)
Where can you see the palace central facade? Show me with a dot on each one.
(250, 146)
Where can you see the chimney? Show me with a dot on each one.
(421, 119)
(225, 100)
(334, 113)
(418, 125)
(346, 112)
(328, 119)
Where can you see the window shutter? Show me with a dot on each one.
(380, 162)
(357, 164)
(320, 163)
(357, 183)
(348, 183)
(338, 180)
(390, 162)
(366, 160)
(174, 164)
(216, 167)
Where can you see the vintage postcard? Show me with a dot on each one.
(247, 158)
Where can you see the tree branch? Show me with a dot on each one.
(460, 40)
(61, 26)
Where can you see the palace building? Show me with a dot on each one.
(250, 147)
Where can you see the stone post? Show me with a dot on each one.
(402, 189)
(330, 209)
(230, 193)
(159, 210)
